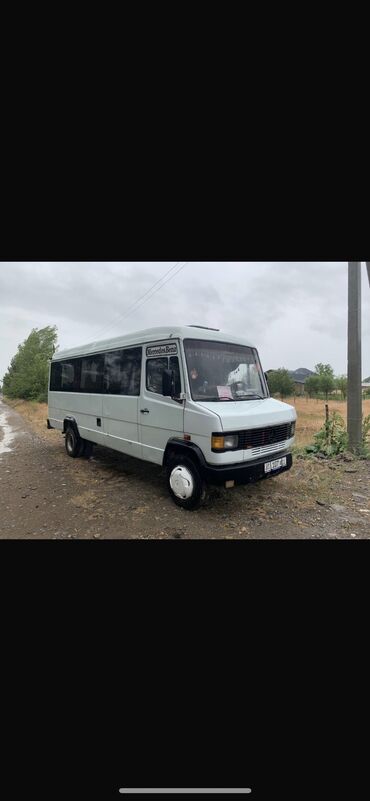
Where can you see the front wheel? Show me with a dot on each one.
(185, 484)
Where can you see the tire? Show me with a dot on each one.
(73, 443)
(183, 477)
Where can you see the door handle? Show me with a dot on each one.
(144, 411)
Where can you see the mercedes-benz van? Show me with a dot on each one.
(191, 399)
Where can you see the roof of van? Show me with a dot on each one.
(152, 335)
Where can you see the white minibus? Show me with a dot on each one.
(191, 399)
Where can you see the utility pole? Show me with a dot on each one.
(354, 396)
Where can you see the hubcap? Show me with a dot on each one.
(182, 482)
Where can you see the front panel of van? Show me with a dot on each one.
(269, 420)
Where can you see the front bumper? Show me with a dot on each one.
(245, 473)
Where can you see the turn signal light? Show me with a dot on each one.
(218, 443)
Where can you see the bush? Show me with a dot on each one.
(332, 439)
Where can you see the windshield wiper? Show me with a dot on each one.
(251, 397)
(207, 398)
(223, 398)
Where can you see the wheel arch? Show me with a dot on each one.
(179, 447)
(70, 422)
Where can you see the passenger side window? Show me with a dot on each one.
(70, 375)
(122, 372)
(174, 365)
(92, 374)
(65, 376)
(154, 373)
(56, 377)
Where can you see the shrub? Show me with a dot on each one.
(332, 438)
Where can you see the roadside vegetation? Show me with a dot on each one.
(27, 375)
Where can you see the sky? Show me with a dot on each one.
(295, 313)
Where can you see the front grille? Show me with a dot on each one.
(278, 446)
(262, 437)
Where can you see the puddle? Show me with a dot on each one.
(7, 434)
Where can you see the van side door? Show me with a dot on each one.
(160, 418)
(122, 380)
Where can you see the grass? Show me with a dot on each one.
(36, 414)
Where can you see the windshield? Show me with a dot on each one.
(219, 371)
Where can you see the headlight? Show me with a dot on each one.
(223, 443)
(292, 429)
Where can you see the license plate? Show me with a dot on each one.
(270, 466)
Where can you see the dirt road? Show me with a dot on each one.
(46, 494)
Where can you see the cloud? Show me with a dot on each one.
(295, 312)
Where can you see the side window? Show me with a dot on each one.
(55, 376)
(174, 365)
(69, 375)
(92, 374)
(113, 372)
(122, 372)
(132, 363)
(154, 373)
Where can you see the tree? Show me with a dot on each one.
(341, 383)
(280, 381)
(326, 376)
(27, 376)
(312, 385)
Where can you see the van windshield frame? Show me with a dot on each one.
(223, 371)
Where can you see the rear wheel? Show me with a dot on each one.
(185, 484)
(73, 442)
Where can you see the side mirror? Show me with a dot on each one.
(168, 383)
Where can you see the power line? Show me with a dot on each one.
(121, 316)
(171, 277)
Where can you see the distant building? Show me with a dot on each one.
(299, 377)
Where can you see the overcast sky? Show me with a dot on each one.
(294, 312)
